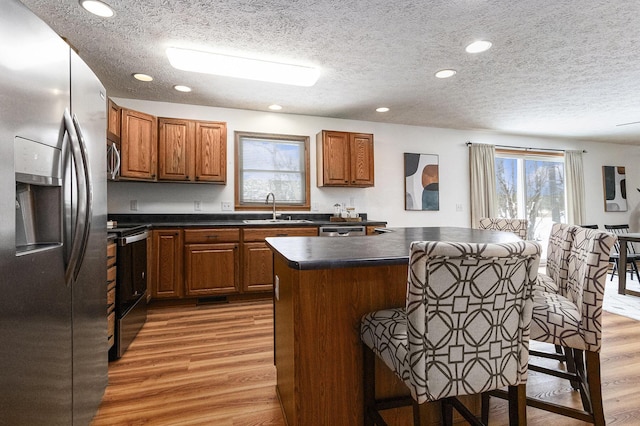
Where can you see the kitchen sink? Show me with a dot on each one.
(268, 221)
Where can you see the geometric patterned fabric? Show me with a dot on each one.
(517, 226)
(572, 316)
(465, 327)
(558, 250)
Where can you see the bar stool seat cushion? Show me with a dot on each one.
(545, 284)
(386, 330)
(557, 320)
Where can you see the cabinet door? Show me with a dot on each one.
(361, 155)
(139, 143)
(211, 269)
(166, 277)
(175, 149)
(113, 125)
(211, 152)
(257, 267)
(335, 159)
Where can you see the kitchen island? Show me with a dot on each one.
(324, 285)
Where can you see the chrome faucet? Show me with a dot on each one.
(274, 203)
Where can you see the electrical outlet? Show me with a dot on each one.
(133, 205)
(458, 207)
(315, 207)
(197, 205)
(226, 206)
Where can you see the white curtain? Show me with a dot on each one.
(574, 178)
(484, 198)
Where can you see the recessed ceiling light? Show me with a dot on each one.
(235, 66)
(478, 46)
(445, 73)
(142, 77)
(181, 88)
(97, 8)
(382, 109)
(275, 107)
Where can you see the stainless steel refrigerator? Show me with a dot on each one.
(53, 339)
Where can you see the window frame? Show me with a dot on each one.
(305, 206)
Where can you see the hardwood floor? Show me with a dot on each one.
(213, 365)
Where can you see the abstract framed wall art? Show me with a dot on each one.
(421, 182)
(615, 188)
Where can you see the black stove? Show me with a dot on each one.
(127, 230)
(131, 285)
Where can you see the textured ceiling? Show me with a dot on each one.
(567, 68)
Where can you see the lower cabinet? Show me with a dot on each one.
(166, 273)
(111, 292)
(257, 264)
(211, 269)
(201, 262)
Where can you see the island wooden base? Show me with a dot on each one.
(318, 352)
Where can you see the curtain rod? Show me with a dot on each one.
(528, 149)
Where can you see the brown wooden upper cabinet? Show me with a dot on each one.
(139, 142)
(192, 150)
(113, 125)
(345, 159)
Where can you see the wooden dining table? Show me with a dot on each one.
(323, 287)
(625, 239)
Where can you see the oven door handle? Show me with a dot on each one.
(130, 239)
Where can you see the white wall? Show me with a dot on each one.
(385, 201)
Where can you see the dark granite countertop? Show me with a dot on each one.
(230, 220)
(388, 248)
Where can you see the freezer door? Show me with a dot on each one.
(35, 314)
(90, 352)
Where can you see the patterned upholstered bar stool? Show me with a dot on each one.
(464, 329)
(517, 226)
(560, 240)
(572, 319)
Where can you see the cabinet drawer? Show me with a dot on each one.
(259, 234)
(111, 299)
(111, 324)
(111, 254)
(111, 275)
(211, 235)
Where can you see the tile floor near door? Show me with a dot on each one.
(213, 365)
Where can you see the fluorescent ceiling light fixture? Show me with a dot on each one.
(235, 66)
(275, 107)
(181, 88)
(478, 46)
(382, 109)
(142, 77)
(445, 73)
(97, 8)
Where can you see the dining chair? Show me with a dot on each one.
(572, 319)
(517, 226)
(632, 255)
(464, 329)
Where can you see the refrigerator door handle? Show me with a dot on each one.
(87, 211)
(75, 254)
